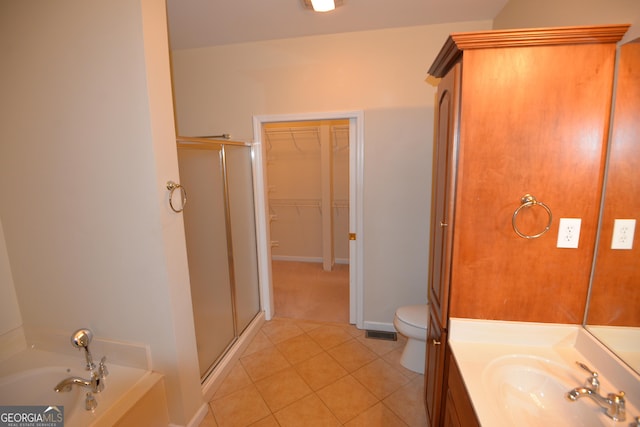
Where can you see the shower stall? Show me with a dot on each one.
(220, 231)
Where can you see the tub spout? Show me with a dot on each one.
(95, 384)
(81, 339)
(67, 383)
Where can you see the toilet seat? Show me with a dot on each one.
(414, 315)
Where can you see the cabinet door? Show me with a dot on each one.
(435, 370)
(442, 205)
(450, 414)
(458, 407)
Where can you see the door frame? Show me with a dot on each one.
(356, 181)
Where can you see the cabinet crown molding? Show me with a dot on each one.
(458, 42)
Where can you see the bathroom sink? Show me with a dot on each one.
(530, 391)
(519, 373)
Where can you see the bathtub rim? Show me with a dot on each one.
(127, 391)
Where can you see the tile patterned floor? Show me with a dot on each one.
(306, 373)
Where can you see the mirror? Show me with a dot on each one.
(614, 306)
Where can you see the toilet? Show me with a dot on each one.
(412, 321)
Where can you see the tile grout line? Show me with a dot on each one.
(379, 356)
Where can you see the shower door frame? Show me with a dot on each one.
(223, 147)
(356, 180)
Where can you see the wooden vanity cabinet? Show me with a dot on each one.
(435, 369)
(517, 112)
(458, 410)
(442, 208)
(444, 176)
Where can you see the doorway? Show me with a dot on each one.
(307, 171)
(337, 250)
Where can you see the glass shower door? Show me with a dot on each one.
(243, 233)
(220, 231)
(201, 173)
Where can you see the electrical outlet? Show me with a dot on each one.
(623, 230)
(569, 232)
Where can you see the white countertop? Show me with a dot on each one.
(488, 352)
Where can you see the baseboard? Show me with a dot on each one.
(379, 326)
(306, 259)
(197, 418)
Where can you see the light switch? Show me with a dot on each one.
(623, 230)
(569, 232)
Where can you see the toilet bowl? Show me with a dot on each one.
(412, 322)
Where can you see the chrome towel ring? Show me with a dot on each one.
(172, 186)
(528, 201)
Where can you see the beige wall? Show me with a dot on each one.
(219, 90)
(87, 144)
(550, 13)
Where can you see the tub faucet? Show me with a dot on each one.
(614, 403)
(95, 383)
(81, 339)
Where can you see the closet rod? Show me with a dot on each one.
(223, 136)
(203, 142)
(306, 203)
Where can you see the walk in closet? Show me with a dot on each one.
(308, 190)
(220, 231)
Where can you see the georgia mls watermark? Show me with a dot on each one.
(32, 416)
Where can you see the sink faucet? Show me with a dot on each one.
(81, 339)
(614, 403)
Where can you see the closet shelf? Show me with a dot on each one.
(292, 132)
(306, 203)
(295, 203)
(298, 135)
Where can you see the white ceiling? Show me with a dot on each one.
(199, 23)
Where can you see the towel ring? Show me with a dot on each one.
(172, 186)
(527, 201)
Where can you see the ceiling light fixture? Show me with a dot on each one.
(322, 5)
